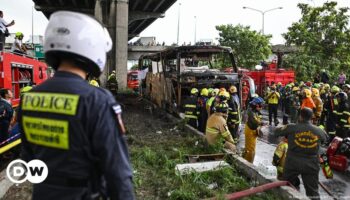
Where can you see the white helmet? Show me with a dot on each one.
(78, 37)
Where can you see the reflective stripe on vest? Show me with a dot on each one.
(190, 106)
(191, 116)
(225, 134)
(211, 130)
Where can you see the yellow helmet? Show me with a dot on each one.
(25, 89)
(233, 89)
(194, 91)
(307, 93)
(18, 34)
(204, 92)
(94, 83)
(295, 89)
(215, 92)
(335, 89)
(315, 92)
(224, 95)
(326, 86)
(279, 83)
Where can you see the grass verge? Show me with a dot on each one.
(154, 159)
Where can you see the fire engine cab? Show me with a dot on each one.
(17, 71)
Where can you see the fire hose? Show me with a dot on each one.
(254, 190)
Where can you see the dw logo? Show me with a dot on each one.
(34, 171)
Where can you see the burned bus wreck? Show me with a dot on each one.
(168, 76)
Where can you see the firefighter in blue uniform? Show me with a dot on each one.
(71, 125)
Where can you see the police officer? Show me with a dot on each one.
(71, 125)
(191, 108)
(304, 141)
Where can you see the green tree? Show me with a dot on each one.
(323, 36)
(135, 67)
(248, 46)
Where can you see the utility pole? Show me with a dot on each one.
(33, 29)
(195, 30)
(178, 24)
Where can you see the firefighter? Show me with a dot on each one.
(112, 77)
(211, 101)
(18, 47)
(342, 126)
(234, 115)
(217, 128)
(86, 155)
(245, 95)
(304, 141)
(307, 100)
(273, 98)
(279, 157)
(319, 105)
(112, 83)
(191, 108)
(203, 114)
(346, 89)
(324, 94)
(295, 105)
(332, 115)
(252, 128)
(287, 103)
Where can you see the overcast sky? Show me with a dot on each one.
(209, 13)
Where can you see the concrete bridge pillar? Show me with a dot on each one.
(99, 16)
(121, 42)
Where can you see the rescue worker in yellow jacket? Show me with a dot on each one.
(252, 128)
(279, 157)
(272, 99)
(217, 129)
(319, 105)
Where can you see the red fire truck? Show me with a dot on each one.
(269, 74)
(133, 81)
(18, 71)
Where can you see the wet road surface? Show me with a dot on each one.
(339, 186)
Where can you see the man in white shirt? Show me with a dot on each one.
(3, 27)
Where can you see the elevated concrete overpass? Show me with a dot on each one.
(125, 19)
(134, 52)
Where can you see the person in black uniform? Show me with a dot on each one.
(304, 141)
(191, 108)
(71, 125)
(6, 113)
